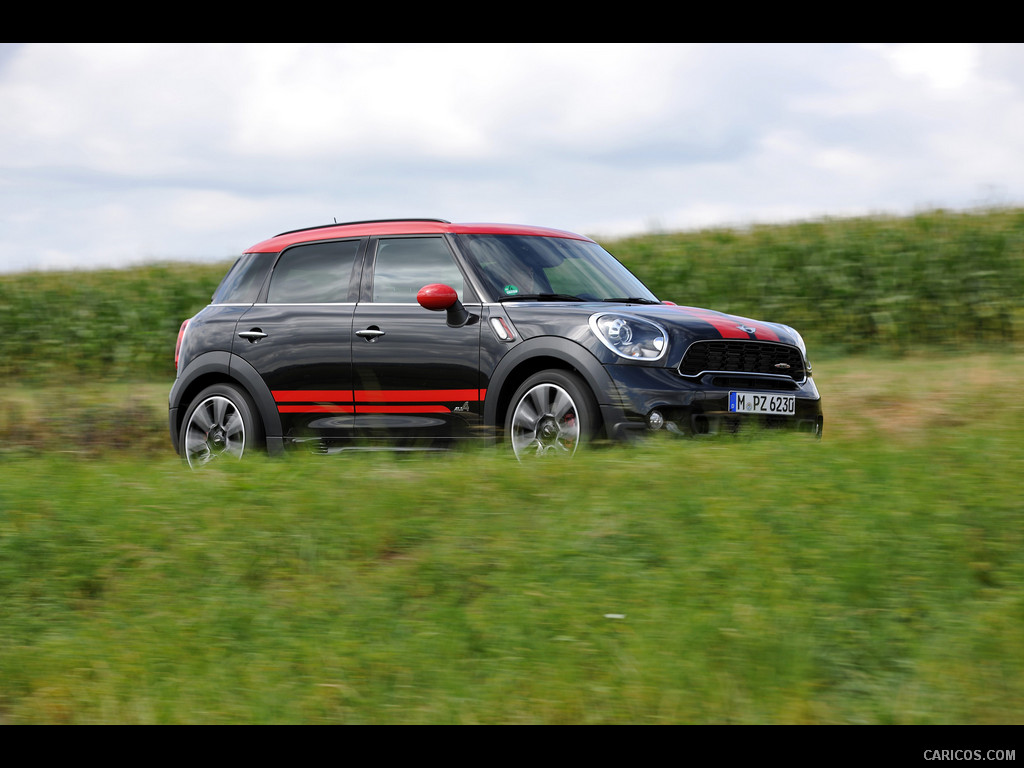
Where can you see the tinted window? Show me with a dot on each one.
(242, 283)
(404, 265)
(320, 273)
(512, 265)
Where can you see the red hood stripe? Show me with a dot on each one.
(728, 325)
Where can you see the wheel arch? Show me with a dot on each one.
(540, 354)
(224, 368)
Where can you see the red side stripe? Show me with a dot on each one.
(417, 395)
(313, 395)
(327, 400)
(316, 409)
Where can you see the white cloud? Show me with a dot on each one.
(114, 153)
(944, 66)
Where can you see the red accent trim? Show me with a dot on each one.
(727, 325)
(365, 396)
(762, 332)
(177, 346)
(313, 395)
(383, 228)
(417, 395)
(720, 323)
(316, 409)
(437, 297)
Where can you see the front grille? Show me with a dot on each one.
(743, 357)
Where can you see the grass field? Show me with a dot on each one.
(876, 576)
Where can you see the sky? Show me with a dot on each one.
(118, 154)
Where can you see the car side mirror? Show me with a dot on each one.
(438, 297)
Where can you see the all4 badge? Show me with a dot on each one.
(511, 290)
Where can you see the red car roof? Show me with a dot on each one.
(401, 227)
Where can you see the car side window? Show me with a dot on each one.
(242, 283)
(319, 273)
(405, 264)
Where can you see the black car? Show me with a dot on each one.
(415, 332)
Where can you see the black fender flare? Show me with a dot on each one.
(216, 363)
(249, 377)
(232, 367)
(578, 357)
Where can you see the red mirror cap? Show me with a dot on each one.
(670, 303)
(437, 296)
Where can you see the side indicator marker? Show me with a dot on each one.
(501, 329)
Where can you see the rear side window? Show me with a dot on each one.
(242, 283)
(319, 273)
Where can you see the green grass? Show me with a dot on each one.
(873, 577)
(876, 576)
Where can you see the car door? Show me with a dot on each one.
(415, 376)
(299, 338)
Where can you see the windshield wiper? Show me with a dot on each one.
(541, 297)
(632, 300)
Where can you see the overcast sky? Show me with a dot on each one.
(118, 154)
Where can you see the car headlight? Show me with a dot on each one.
(630, 337)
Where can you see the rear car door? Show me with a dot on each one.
(299, 338)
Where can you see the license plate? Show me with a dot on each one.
(751, 402)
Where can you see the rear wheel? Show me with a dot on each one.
(552, 414)
(221, 423)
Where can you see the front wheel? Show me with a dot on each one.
(552, 414)
(221, 422)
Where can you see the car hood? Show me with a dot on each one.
(710, 324)
(683, 324)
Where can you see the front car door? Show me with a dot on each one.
(415, 376)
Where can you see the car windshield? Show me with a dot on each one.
(521, 267)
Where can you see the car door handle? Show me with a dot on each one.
(370, 334)
(253, 336)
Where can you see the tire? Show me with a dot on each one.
(221, 422)
(551, 414)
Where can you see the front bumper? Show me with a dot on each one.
(700, 405)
